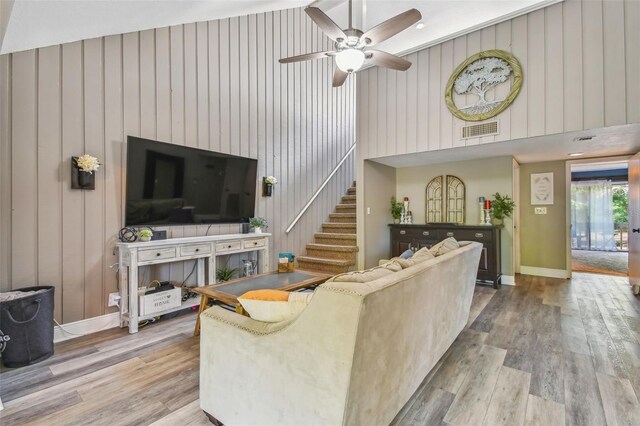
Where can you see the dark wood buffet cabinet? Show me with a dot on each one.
(415, 237)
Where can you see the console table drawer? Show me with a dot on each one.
(253, 244)
(195, 249)
(228, 246)
(155, 254)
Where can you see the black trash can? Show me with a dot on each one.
(26, 327)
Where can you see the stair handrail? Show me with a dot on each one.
(315, 195)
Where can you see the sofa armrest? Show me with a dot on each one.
(245, 323)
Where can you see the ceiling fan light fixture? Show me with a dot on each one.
(350, 60)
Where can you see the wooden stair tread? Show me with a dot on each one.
(350, 215)
(325, 261)
(339, 224)
(332, 247)
(337, 236)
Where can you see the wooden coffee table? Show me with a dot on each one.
(228, 291)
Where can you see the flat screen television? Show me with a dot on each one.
(171, 184)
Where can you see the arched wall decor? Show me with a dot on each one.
(433, 205)
(455, 199)
(479, 74)
(445, 203)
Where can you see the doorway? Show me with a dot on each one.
(599, 217)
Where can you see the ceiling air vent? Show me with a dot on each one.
(582, 138)
(477, 130)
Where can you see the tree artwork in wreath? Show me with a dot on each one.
(478, 75)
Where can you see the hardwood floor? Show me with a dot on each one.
(545, 352)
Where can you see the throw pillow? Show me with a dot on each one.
(273, 307)
(420, 256)
(444, 246)
(407, 254)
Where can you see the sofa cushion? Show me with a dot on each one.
(369, 274)
(273, 309)
(420, 256)
(444, 246)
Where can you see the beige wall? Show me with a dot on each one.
(482, 178)
(543, 237)
(380, 187)
(214, 85)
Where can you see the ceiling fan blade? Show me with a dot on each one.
(387, 60)
(330, 28)
(306, 57)
(392, 26)
(339, 77)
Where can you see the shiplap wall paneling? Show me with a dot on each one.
(5, 171)
(49, 207)
(24, 196)
(111, 170)
(73, 215)
(579, 60)
(632, 56)
(214, 85)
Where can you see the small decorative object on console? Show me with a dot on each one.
(128, 235)
(267, 185)
(258, 224)
(502, 206)
(396, 210)
(145, 234)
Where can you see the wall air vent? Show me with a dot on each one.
(477, 130)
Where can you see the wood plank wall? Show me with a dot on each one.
(214, 85)
(580, 61)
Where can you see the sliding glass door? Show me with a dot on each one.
(592, 216)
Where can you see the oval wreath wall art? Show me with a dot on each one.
(478, 75)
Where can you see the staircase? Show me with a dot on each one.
(334, 250)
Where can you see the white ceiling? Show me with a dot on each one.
(610, 141)
(39, 23)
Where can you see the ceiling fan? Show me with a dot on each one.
(352, 46)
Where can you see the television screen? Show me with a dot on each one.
(177, 185)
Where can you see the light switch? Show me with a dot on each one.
(368, 210)
(540, 210)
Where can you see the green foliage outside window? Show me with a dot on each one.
(620, 203)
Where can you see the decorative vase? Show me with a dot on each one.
(268, 189)
(145, 239)
(84, 178)
(496, 221)
(396, 220)
(257, 230)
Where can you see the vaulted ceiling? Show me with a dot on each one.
(28, 24)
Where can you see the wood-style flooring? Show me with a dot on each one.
(545, 352)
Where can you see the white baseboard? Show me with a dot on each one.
(508, 280)
(544, 272)
(80, 328)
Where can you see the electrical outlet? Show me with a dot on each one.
(368, 210)
(540, 210)
(114, 299)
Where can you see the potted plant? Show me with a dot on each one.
(396, 210)
(224, 273)
(268, 183)
(502, 206)
(258, 224)
(145, 234)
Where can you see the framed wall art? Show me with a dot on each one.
(541, 189)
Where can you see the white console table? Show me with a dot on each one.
(201, 249)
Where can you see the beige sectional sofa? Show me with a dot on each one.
(354, 356)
